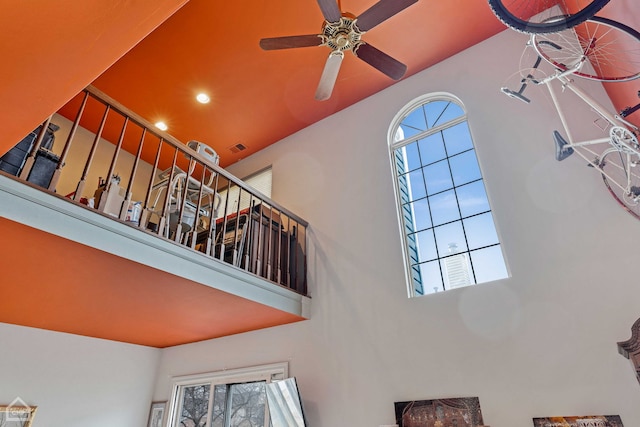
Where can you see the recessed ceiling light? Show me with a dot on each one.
(203, 98)
(162, 125)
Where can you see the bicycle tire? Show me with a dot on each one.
(613, 166)
(611, 50)
(529, 16)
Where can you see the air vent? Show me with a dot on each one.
(237, 148)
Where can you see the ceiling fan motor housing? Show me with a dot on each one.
(342, 35)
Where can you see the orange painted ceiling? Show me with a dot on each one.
(64, 286)
(53, 49)
(258, 97)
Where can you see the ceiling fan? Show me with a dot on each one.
(341, 32)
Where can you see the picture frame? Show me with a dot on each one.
(17, 415)
(579, 421)
(459, 411)
(156, 414)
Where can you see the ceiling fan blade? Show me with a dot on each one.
(288, 42)
(330, 10)
(380, 12)
(381, 61)
(329, 75)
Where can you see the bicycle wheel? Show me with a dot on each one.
(533, 16)
(610, 50)
(621, 172)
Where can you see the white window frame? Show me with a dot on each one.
(267, 373)
(394, 145)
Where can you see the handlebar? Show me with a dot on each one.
(560, 75)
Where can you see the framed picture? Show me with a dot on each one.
(581, 421)
(457, 411)
(156, 415)
(16, 416)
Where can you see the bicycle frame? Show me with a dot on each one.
(631, 150)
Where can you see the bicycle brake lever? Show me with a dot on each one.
(514, 94)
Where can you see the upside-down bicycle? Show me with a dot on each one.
(603, 50)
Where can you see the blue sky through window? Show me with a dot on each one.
(450, 230)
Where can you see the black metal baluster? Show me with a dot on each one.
(31, 157)
(223, 232)
(146, 210)
(67, 145)
(166, 204)
(132, 177)
(92, 152)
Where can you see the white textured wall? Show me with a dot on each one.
(76, 381)
(540, 343)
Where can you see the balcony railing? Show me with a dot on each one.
(109, 160)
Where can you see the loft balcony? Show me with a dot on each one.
(116, 230)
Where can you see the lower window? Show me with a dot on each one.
(230, 398)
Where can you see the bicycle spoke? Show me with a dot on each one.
(611, 50)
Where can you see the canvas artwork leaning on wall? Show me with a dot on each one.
(458, 412)
(582, 421)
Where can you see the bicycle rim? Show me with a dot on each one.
(613, 165)
(532, 16)
(611, 50)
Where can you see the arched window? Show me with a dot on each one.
(449, 236)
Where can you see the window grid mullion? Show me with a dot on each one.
(449, 222)
(426, 191)
(444, 285)
(415, 138)
(424, 116)
(227, 406)
(455, 192)
(466, 240)
(468, 251)
(456, 220)
(212, 393)
(443, 191)
(446, 151)
(424, 181)
(441, 113)
(433, 229)
(460, 272)
(446, 157)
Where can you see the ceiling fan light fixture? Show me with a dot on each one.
(203, 98)
(343, 31)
